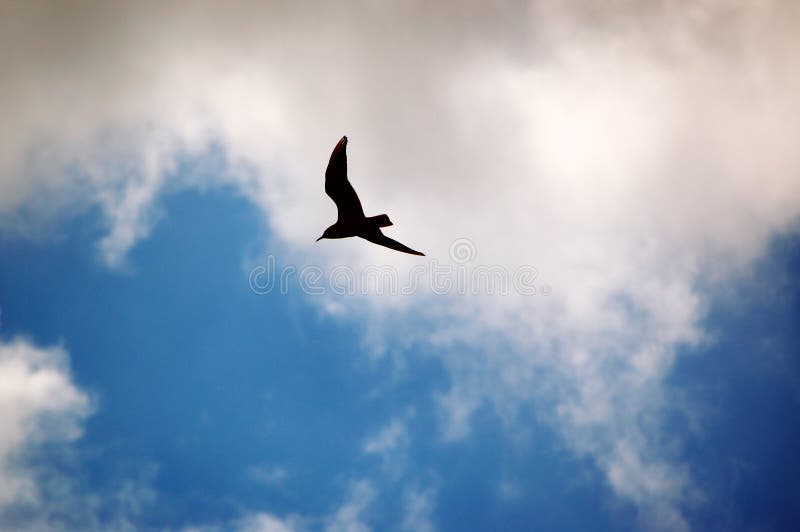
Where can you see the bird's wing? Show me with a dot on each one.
(338, 187)
(376, 236)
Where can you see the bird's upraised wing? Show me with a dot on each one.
(376, 236)
(338, 187)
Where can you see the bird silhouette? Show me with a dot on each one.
(351, 220)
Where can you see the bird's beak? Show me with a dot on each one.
(320, 238)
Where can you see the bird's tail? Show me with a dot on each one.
(382, 220)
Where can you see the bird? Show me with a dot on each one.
(351, 220)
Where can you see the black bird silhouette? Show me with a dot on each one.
(351, 221)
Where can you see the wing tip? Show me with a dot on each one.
(340, 146)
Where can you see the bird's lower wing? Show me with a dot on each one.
(377, 237)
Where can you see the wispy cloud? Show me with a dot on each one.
(351, 515)
(388, 439)
(270, 476)
(419, 509)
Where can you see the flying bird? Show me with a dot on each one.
(351, 220)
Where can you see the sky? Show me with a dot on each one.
(602, 334)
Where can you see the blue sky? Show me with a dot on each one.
(199, 384)
(629, 171)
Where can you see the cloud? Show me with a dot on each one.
(251, 522)
(270, 476)
(388, 438)
(263, 523)
(42, 481)
(419, 507)
(39, 404)
(638, 155)
(351, 515)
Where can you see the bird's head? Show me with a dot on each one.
(325, 234)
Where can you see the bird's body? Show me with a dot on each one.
(352, 221)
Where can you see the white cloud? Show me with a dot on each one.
(418, 511)
(39, 404)
(253, 522)
(388, 438)
(351, 515)
(263, 522)
(631, 154)
(42, 415)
